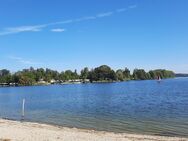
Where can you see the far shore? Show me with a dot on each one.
(26, 131)
(70, 82)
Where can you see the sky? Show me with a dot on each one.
(73, 34)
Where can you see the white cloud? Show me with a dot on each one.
(26, 28)
(23, 61)
(85, 18)
(61, 22)
(58, 30)
(36, 28)
(105, 14)
(13, 30)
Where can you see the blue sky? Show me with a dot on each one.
(72, 34)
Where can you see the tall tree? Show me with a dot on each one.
(127, 74)
(84, 73)
(120, 75)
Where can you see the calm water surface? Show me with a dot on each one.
(145, 107)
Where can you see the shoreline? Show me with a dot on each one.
(29, 131)
(76, 83)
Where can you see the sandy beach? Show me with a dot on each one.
(26, 131)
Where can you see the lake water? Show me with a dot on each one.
(145, 107)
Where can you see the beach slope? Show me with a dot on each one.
(26, 131)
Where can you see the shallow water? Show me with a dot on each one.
(145, 107)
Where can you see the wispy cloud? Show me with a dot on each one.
(85, 18)
(23, 61)
(105, 14)
(61, 22)
(121, 10)
(58, 30)
(37, 28)
(13, 30)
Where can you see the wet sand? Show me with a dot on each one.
(26, 131)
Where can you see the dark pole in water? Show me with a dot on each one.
(23, 109)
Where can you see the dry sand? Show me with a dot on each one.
(25, 131)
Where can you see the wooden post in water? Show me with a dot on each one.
(23, 109)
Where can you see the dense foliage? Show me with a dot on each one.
(100, 74)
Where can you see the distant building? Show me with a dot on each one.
(53, 81)
(86, 80)
(41, 81)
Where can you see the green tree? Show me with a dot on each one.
(5, 76)
(4, 72)
(104, 73)
(84, 73)
(127, 74)
(139, 74)
(120, 75)
(92, 76)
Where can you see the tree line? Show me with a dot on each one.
(99, 74)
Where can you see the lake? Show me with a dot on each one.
(145, 107)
